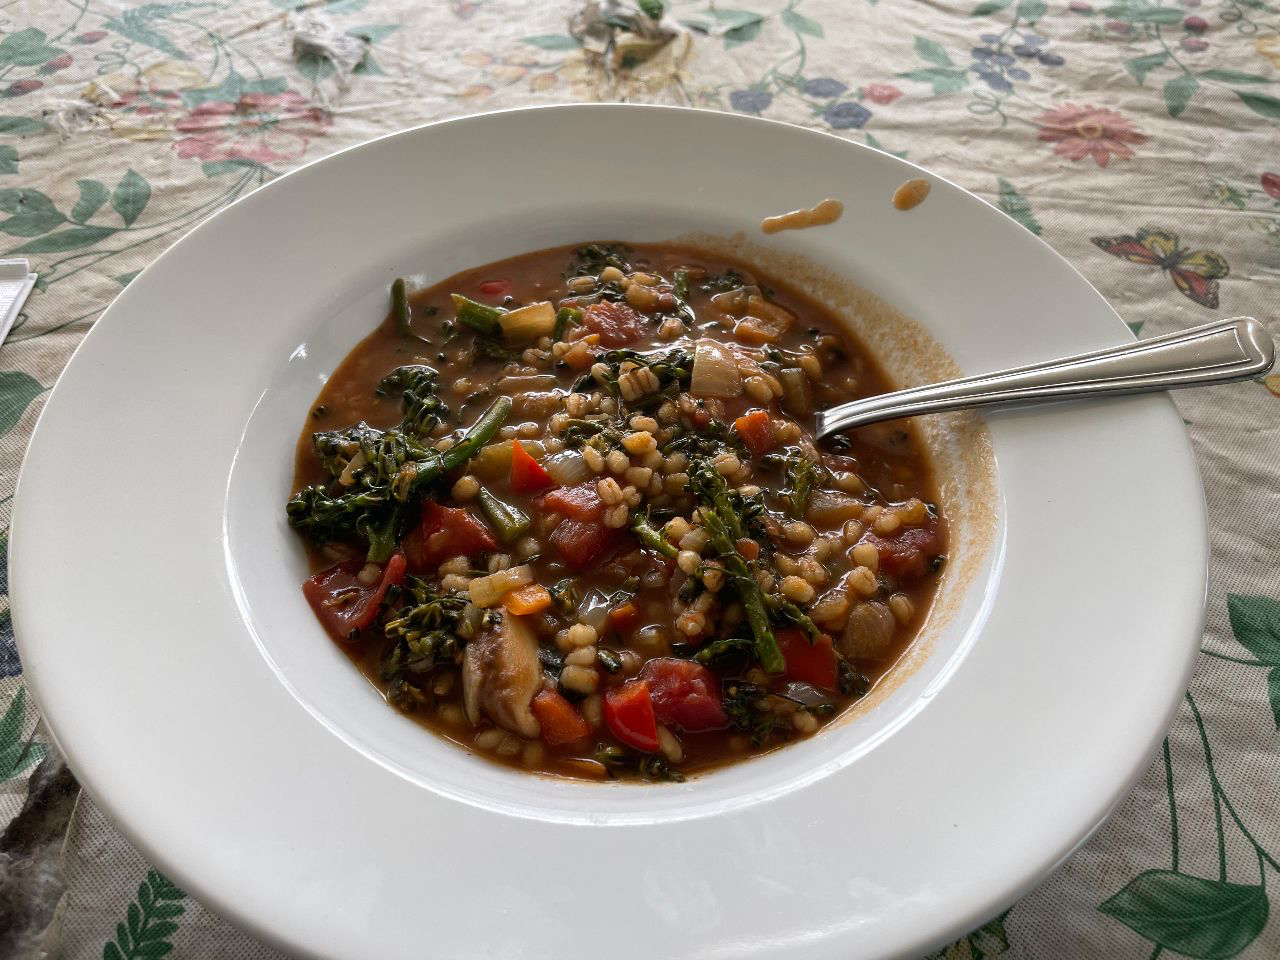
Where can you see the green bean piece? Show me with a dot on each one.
(483, 320)
(403, 311)
(508, 522)
(416, 474)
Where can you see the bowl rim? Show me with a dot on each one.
(25, 606)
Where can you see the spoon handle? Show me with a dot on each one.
(1218, 352)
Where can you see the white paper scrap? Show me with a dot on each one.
(16, 281)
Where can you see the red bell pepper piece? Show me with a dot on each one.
(628, 713)
(494, 289)
(812, 663)
(526, 473)
(342, 603)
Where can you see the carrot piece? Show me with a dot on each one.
(756, 430)
(528, 599)
(558, 721)
(748, 548)
(624, 617)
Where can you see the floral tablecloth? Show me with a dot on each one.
(1141, 138)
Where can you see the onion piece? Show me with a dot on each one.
(829, 508)
(487, 591)
(513, 386)
(567, 468)
(869, 631)
(528, 323)
(594, 609)
(715, 371)
(797, 398)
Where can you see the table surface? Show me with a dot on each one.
(1138, 137)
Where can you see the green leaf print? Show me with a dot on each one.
(744, 26)
(149, 922)
(553, 41)
(1139, 67)
(653, 9)
(19, 125)
(16, 753)
(137, 25)
(8, 159)
(27, 48)
(373, 32)
(798, 23)
(1178, 93)
(130, 197)
(1233, 76)
(125, 279)
(63, 240)
(989, 7)
(1032, 10)
(1255, 622)
(1139, 11)
(232, 87)
(1206, 919)
(932, 52)
(33, 213)
(1273, 693)
(1016, 206)
(92, 196)
(1261, 104)
(17, 390)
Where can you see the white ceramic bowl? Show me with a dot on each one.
(154, 581)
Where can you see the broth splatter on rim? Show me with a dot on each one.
(819, 215)
(911, 194)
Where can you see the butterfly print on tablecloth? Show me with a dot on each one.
(1194, 272)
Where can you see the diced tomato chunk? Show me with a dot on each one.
(443, 533)
(585, 543)
(813, 663)
(494, 289)
(526, 473)
(345, 605)
(686, 695)
(756, 430)
(557, 719)
(907, 553)
(577, 503)
(628, 713)
(617, 324)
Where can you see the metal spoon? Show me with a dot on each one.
(1219, 352)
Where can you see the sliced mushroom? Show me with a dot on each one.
(501, 675)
